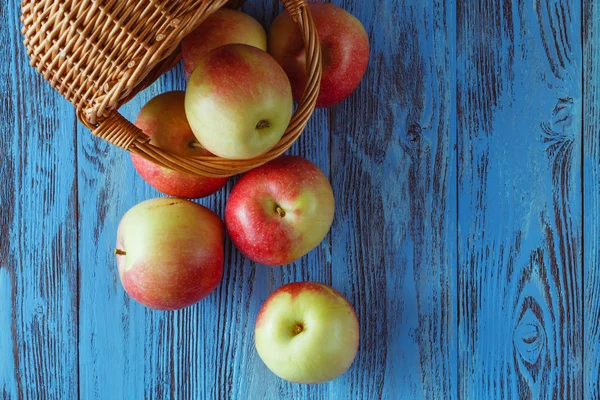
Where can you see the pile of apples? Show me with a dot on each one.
(237, 105)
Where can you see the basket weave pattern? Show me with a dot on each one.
(100, 53)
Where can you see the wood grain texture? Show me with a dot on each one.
(112, 335)
(38, 240)
(520, 216)
(393, 171)
(591, 195)
(466, 171)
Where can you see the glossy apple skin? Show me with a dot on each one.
(163, 120)
(232, 90)
(307, 332)
(224, 26)
(173, 252)
(345, 51)
(253, 214)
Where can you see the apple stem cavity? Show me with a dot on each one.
(297, 329)
(120, 252)
(262, 124)
(280, 211)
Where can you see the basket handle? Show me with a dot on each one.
(119, 131)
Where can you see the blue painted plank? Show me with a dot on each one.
(520, 215)
(394, 174)
(38, 241)
(113, 340)
(250, 377)
(206, 350)
(591, 199)
(8, 374)
(249, 284)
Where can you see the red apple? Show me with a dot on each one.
(170, 252)
(238, 101)
(345, 51)
(225, 26)
(307, 332)
(163, 119)
(280, 211)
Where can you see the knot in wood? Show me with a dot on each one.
(529, 337)
(414, 132)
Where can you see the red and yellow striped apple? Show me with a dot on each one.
(307, 332)
(163, 120)
(344, 46)
(238, 101)
(225, 26)
(280, 211)
(170, 252)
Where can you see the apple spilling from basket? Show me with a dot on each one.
(237, 105)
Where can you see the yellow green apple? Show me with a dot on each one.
(169, 252)
(238, 101)
(307, 332)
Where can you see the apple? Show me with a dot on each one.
(307, 332)
(280, 211)
(163, 120)
(238, 101)
(169, 252)
(344, 47)
(225, 26)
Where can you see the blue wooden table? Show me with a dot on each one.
(466, 169)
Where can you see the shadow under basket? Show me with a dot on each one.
(99, 54)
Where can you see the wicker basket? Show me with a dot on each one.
(100, 53)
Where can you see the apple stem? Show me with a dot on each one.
(195, 144)
(280, 211)
(262, 124)
(297, 329)
(120, 252)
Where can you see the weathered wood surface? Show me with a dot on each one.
(466, 170)
(591, 199)
(520, 289)
(394, 174)
(38, 228)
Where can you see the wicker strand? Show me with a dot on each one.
(115, 131)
